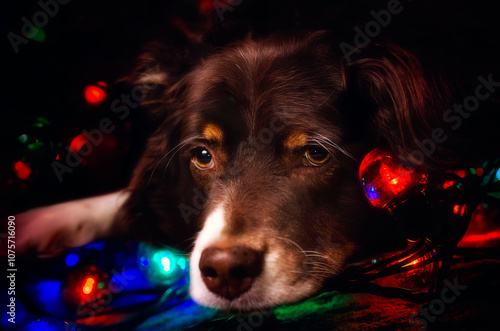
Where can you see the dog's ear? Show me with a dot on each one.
(153, 210)
(390, 94)
(159, 69)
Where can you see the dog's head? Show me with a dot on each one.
(254, 162)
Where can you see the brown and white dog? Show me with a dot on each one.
(253, 166)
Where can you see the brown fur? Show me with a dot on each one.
(265, 102)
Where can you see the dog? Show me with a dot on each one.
(253, 166)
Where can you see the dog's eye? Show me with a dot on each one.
(317, 156)
(203, 159)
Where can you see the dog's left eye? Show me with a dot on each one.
(317, 156)
(203, 159)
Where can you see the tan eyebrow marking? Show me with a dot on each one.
(296, 140)
(213, 132)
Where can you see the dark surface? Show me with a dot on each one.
(475, 308)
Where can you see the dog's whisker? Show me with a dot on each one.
(317, 255)
(299, 272)
(173, 150)
(292, 242)
(322, 139)
(192, 240)
(326, 269)
(170, 160)
(154, 169)
(317, 258)
(312, 251)
(319, 274)
(179, 147)
(335, 146)
(322, 270)
(317, 263)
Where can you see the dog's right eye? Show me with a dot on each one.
(203, 159)
(317, 156)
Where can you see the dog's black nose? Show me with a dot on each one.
(230, 272)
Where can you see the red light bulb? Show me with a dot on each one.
(94, 94)
(88, 285)
(77, 143)
(386, 181)
(22, 170)
(84, 285)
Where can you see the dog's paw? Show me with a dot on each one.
(49, 231)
